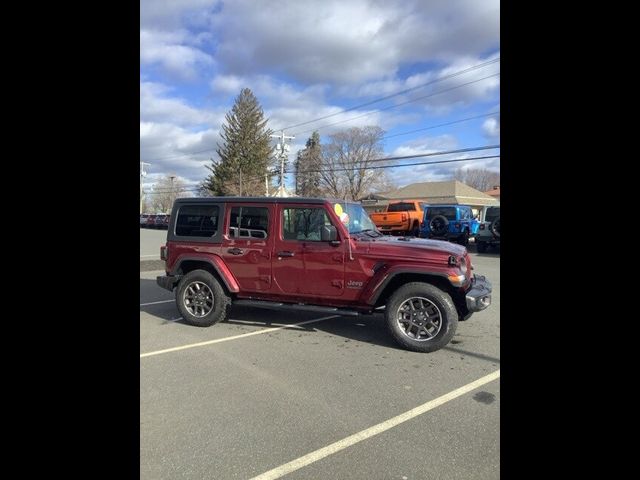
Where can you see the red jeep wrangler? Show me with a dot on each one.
(317, 255)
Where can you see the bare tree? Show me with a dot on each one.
(347, 160)
(165, 191)
(478, 178)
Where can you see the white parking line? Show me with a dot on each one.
(234, 337)
(375, 430)
(155, 303)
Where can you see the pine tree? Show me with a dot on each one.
(245, 153)
(309, 159)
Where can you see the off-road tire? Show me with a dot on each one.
(495, 227)
(221, 300)
(444, 225)
(441, 300)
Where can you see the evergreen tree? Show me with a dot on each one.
(309, 159)
(245, 153)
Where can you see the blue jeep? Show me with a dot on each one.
(449, 222)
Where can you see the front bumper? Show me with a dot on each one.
(479, 296)
(168, 282)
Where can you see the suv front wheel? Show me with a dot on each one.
(201, 299)
(421, 317)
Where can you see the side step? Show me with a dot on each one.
(295, 306)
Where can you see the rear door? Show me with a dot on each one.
(247, 243)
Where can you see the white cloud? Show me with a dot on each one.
(491, 127)
(157, 106)
(171, 148)
(349, 42)
(173, 52)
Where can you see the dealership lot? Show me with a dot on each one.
(252, 394)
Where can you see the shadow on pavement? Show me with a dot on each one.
(370, 329)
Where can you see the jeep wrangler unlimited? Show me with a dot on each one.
(489, 231)
(319, 255)
(449, 222)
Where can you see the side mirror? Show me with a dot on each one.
(328, 233)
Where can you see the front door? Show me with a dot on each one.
(302, 263)
(247, 244)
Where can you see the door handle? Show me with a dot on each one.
(285, 254)
(235, 251)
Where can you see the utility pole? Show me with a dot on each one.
(282, 148)
(171, 196)
(142, 175)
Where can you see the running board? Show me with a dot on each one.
(295, 306)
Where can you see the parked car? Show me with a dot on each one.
(319, 255)
(489, 231)
(400, 218)
(449, 222)
(151, 221)
(161, 221)
(143, 219)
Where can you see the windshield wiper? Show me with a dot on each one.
(370, 232)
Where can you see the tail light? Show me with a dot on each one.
(404, 217)
(482, 226)
(422, 224)
(164, 252)
(457, 225)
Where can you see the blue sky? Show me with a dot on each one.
(309, 59)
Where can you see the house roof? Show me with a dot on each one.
(452, 192)
(494, 192)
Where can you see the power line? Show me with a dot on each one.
(475, 67)
(400, 157)
(455, 74)
(398, 104)
(442, 124)
(385, 137)
(408, 164)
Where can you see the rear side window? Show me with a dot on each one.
(197, 221)
(492, 214)
(448, 212)
(303, 223)
(401, 207)
(249, 222)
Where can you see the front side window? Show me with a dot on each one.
(249, 222)
(303, 223)
(197, 221)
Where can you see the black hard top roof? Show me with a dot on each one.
(261, 200)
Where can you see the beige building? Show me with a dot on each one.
(436, 193)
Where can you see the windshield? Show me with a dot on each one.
(447, 212)
(354, 217)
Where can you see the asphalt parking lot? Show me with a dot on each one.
(255, 393)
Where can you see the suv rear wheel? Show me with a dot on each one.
(421, 317)
(201, 299)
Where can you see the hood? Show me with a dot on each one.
(408, 248)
